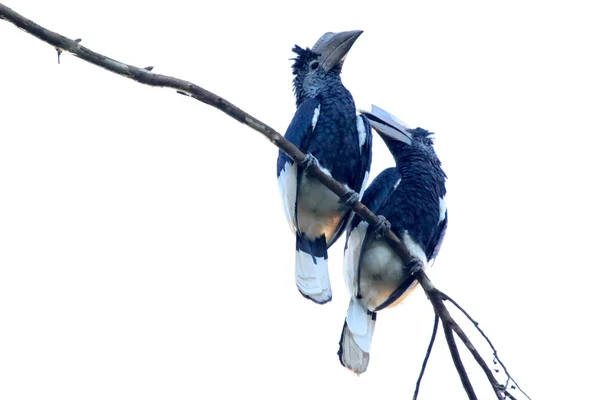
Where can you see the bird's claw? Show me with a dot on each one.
(349, 199)
(309, 160)
(382, 227)
(414, 266)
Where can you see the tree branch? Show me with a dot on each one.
(509, 378)
(448, 324)
(149, 78)
(427, 354)
(145, 76)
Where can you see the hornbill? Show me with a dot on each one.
(326, 128)
(411, 198)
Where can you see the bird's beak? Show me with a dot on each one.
(387, 125)
(333, 47)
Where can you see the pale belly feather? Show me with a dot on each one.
(319, 212)
(381, 272)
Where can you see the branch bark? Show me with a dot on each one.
(145, 76)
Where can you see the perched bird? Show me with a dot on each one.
(327, 129)
(411, 198)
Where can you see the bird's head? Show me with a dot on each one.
(316, 68)
(397, 136)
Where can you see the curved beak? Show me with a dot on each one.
(387, 125)
(333, 47)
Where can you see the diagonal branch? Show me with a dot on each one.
(149, 78)
(145, 76)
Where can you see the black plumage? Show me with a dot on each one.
(325, 126)
(411, 197)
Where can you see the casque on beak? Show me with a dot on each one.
(387, 125)
(333, 47)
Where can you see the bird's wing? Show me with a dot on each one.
(433, 248)
(298, 132)
(378, 192)
(374, 198)
(365, 140)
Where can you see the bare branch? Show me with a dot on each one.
(145, 76)
(437, 300)
(462, 372)
(495, 352)
(448, 325)
(427, 354)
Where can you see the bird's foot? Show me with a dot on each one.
(383, 226)
(309, 160)
(415, 265)
(349, 200)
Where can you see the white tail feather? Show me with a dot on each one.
(357, 337)
(352, 356)
(313, 279)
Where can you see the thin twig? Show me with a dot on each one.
(448, 325)
(495, 352)
(427, 354)
(462, 372)
(437, 302)
(147, 77)
(510, 396)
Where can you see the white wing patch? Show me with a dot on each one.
(397, 183)
(287, 182)
(362, 132)
(413, 248)
(352, 257)
(442, 210)
(363, 187)
(316, 116)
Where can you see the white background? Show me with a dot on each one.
(143, 249)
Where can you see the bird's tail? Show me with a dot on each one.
(312, 276)
(356, 337)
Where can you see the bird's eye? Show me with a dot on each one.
(314, 65)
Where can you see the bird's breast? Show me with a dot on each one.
(381, 273)
(319, 212)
